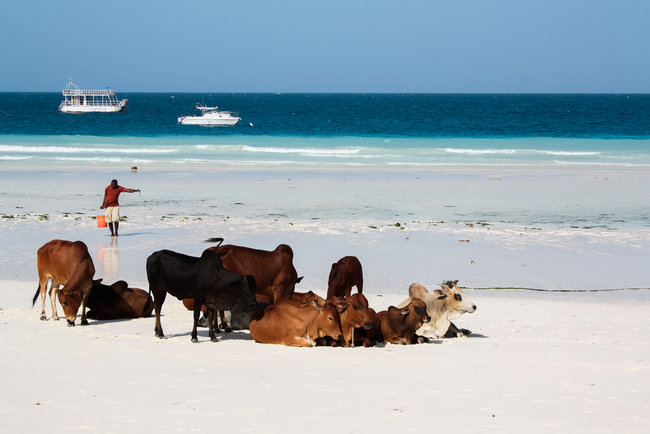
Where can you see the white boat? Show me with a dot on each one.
(77, 100)
(210, 117)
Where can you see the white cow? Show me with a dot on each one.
(443, 305)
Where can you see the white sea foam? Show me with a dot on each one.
(78, 150)
(480, 151)
(569, 153)
(303, 151)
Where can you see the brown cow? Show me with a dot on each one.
(345, 274)
(369, 337)
(398, 326)
(307, 298)
(354, 316)
(287, 323)
(273, 271)
(118, 301)
(69, 264)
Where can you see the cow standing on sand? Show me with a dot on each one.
(204, 279)
(443, 305)
(345, 274)
(69, 264)
(273, 271)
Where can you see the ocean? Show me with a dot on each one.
(545, 191)
(333, 130)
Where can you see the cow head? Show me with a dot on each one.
(328, 321)
(417, 309)
(357, 312)
(457, 303)
(70, 299)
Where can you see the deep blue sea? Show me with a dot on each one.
(334, 129)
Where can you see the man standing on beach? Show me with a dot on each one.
(111, 206)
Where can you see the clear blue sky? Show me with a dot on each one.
(327, 45)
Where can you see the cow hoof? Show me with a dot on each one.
(214, 339)
(195, 340)
(422, 339)
(84, 322)
(43, 317)
(227, 330)
(465, 332)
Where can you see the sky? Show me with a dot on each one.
(393, 46)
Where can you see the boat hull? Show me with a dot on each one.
(196, 120)
(104, 108)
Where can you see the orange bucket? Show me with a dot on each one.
(101, 221)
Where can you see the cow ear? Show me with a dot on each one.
(97, 281)
(455, 282)
(316, 306)
(405, 311)
(440, 294)
(342, 307)
(299, 279)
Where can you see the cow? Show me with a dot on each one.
(241, 315)
(398, 326)
(307, 298)
(354, 316)
(443, 305)
(274, 273)
(345, 274)
(204, 279)
(118, 301)
(291, 324)
(368, 337)
(69, 264)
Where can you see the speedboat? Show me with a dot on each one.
(77, 100)
(210, 117)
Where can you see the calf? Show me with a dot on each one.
(69, 264)
(369, 337)
(443, 305)
(345, 274)
(118, 301)
(398, 326)
(287, 323)
(354, 316)
(204, 279)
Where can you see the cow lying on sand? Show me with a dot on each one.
(289, 323)
(69, 264)
(443, 305)
(204, 279)
(118, 301)
(399, 325)
(345, 274)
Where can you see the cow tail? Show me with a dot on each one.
(38, 291)
(217, 240)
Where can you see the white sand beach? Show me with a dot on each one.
(537, 361)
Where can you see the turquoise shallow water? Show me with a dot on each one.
(367, 130)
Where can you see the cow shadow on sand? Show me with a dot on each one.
(203, 336)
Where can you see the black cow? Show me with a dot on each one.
(204, 279)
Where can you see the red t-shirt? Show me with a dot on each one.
(111, 195)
